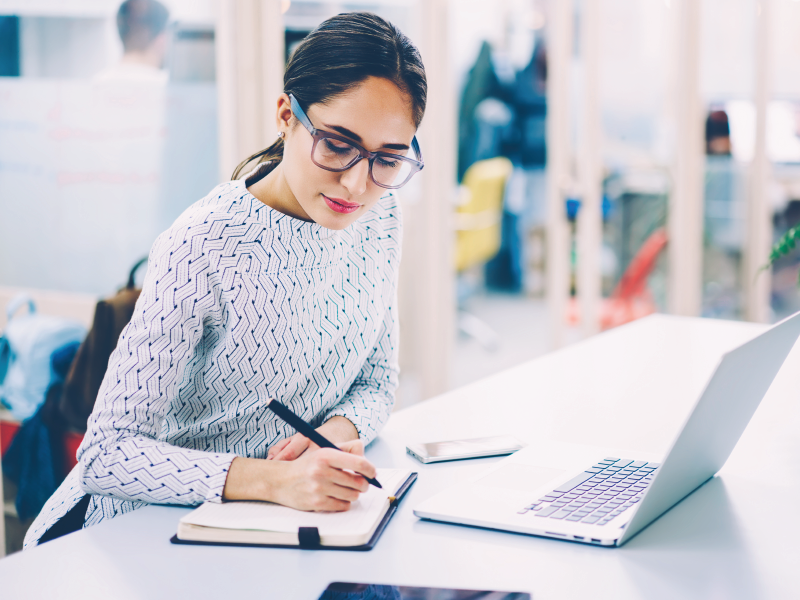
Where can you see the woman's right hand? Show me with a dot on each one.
(316, 481)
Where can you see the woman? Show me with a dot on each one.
(282, 286)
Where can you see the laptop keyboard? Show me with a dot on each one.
(599, 494)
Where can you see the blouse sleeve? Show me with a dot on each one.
(369, 401)
(120, 455)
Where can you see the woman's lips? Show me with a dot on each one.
(341, 206)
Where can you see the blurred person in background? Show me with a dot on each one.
(280, 285)
(142, 26)
(718, 133)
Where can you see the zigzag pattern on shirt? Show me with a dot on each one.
(240, 304)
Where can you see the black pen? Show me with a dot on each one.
(307, 430)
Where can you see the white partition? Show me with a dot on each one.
(90, 174)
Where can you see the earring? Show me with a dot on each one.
(280, 134)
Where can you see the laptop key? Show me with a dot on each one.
(561, 514)
(573, 483)
(638, 463)
(547, 511)
(591, 519)
(573, 518)
(610, 458)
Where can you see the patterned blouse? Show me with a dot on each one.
(240, 304)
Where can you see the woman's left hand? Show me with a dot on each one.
(291, 448)
(337, 429)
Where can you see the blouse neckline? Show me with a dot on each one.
(283, 223)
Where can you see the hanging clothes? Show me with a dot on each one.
(482, 82)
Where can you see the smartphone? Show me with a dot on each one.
(497, 445)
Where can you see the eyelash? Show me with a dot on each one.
(392, 164)
(334, 148)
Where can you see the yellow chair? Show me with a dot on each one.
(479, 214)
(478, 225)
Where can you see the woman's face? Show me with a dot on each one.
(376, 114)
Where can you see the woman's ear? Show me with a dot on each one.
(284, 114)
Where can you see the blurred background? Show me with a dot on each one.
(588, 162)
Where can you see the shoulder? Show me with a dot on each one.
(225, 206)
(229, 203)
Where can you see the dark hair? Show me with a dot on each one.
(139, 23)
(341, 53)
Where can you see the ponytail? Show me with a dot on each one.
(274, 153)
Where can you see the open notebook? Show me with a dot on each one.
(264, 523)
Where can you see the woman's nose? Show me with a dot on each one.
(355, 178)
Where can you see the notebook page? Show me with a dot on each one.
(265, 516)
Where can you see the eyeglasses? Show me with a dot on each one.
(337, 153)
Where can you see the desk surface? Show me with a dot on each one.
(629, 389)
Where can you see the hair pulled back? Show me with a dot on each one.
(340, 54)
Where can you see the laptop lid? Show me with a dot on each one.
(718, 420)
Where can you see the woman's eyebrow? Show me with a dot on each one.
(357, 138)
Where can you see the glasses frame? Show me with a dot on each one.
(317, 135)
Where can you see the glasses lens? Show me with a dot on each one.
(334, 154)
(388, 170)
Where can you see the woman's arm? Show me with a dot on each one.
(369, 401)
(120, 455)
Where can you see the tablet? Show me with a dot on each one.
(370, 591)
(497, 445)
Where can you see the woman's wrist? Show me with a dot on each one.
(339, 429)
(252, 479)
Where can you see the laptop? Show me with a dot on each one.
(569, 492)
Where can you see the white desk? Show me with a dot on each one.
(736, 537)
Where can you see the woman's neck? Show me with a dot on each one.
(274, 191)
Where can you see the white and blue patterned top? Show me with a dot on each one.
(240, 304)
